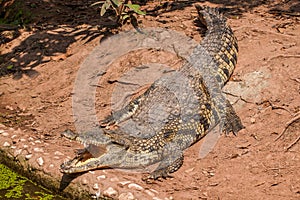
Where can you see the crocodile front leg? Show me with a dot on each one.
(167, 166)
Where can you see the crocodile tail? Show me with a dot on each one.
(219, 41)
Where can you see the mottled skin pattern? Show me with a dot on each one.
(187, 122)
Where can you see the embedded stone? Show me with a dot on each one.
(6, 144)
(135, 186)
(40, 161)
(40, 150)
(126, 196)
(110, 192)
(28, 156)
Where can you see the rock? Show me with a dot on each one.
(17, 152)
(40, 150)
(114, 179)
(84, 182)
(150, 193)
(40, 161)
(252, 120)
(5, 134)
(156, 198)
(2, 131)
(96, 186)
(135, 186)
(110, 192)
(58, 153)
(126, 196)
(6, 144)
(28, 156)
(123, 183)
(101, 177)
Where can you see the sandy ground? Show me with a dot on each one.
(262, 162)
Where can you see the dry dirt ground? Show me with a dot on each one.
(39, 65)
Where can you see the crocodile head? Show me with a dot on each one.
(95, 157)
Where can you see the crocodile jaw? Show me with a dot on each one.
(87, 159)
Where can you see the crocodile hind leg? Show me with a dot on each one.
(168, 165)
(232, 122)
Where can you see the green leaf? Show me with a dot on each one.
(136, 8)
(9, 67)
(104, 8)
(125, 17)
(116, 2)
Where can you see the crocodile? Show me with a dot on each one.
(187, 120)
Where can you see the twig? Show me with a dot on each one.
(278, 107)
(283, 56)
(287, 125)
(293, 143)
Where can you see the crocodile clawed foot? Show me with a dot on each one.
(157, 175)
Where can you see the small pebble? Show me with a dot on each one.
(28, 156)
(5, 134)
(58, 153)
(126, 196)
(96, 186)
(110, 192)
(123, 183)
(101, 177)
(135, 186)
(84, 182)
(156, 198)
(1, 131)
(38, 150)
(6, 144)
(252, 120)
(17, 152)
(114, 179)
(150, 193)
(40, 161)
(13, 147)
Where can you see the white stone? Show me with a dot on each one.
(5, 134)
(38, 150)
(58, 153)
(123, 183)
(114, 179)
(6, 144)
(17, 152)
(28, 156)
(96, 186)
(150, 193)
(135, 186)
(110, 192)
(126, 196)
(40, 161)
(101, 177)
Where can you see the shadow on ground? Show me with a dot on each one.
(54, 25)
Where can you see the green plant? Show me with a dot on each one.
(122, 8)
